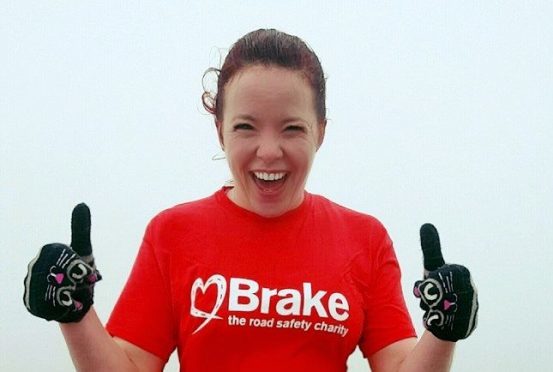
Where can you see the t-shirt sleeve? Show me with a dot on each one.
(386, 317)
(143, 314)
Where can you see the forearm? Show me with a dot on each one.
(429, 354)
(92, 348)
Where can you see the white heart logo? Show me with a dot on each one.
(221, 284)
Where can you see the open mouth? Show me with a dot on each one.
(269, 183)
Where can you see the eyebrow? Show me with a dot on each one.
(244, 117)
(248, 117)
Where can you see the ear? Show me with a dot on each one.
(219, 126)
(321, 134)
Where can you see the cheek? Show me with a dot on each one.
(302, 156)
(237, 155)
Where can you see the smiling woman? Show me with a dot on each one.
(270, 135)
(261, 275)
(270, 113)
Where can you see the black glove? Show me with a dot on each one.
(448, 296)
(60, 280)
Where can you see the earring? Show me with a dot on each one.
(219, 156)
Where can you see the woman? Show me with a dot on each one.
(261, 275)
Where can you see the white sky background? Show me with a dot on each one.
(440, 112)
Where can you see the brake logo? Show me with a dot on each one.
(246, 296)
(221, 284)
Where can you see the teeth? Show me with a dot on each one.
(269, 176)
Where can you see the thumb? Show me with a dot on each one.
(80, 231)
(431, 249)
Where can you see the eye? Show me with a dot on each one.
(435, 318)
(294, 128)
(78, 271)
(64, 297)
(243, 126)
(431, 292)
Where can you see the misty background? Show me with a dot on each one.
(439, 112)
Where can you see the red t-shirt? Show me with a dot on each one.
(234, 291)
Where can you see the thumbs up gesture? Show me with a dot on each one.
(447, 294)
(60, 280)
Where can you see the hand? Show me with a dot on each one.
(448, 296)
(60, 280)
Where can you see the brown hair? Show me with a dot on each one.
(268, 47)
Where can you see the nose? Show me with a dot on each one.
(269, 149)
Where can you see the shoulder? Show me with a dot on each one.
(185, 215)
(352, 219)
(369, 241)
(190, 208)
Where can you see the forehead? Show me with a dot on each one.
(261, 89)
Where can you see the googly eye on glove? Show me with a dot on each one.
(447, 295)
(60, 280)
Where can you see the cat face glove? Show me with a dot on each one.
(60, 280)
(447, 294)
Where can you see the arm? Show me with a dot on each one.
(93, 349)
(450, 301)
(428, 354)
(60, 286)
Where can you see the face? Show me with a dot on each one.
(270, 135)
